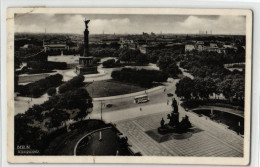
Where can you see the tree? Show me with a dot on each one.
(72, 84)
(174, 70)
(65, 87)
(80, 115)
(110, 63)
(141, 59)
(35, 91)
(164, 62)
(57, 116)
(184, 88)
(51, 91)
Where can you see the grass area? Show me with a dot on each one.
(111, 88)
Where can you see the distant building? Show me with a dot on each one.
(146, 49)
(228, 46)
(109, 41)
(200, 46)
(200, 43)
(55, 44)
(221, 50)
(189, 47)
(213, 45)
(132, 46)
(142, 49)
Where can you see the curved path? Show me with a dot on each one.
(75, 147)
(227, 110)
(158, 88)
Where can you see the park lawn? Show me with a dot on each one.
(111, 87)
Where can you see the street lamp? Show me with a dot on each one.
(101, 104)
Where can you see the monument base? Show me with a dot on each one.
(86, 70)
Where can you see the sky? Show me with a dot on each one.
(130, 24)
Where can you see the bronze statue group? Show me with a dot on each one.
(174, 126)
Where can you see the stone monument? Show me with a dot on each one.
(86, 61)
(174, 125)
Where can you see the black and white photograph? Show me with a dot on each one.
(145, 84)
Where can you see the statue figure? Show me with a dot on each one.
(162, 123)
(174, 105)
(86, 23)
(185, 123)
(170, 117)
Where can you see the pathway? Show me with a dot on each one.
(227, 110)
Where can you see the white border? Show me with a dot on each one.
(255, 114)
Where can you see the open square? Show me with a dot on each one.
(210, 141)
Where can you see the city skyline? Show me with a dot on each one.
(131, 24)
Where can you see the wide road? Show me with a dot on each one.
(156, 97)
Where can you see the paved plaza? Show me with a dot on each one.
(213, 140)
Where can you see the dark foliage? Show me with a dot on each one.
(38, 88)
(55, 111)
(144, 78)
(51, 91)
(48, 65)
(111, 63)
(133, 57)
(72, 84)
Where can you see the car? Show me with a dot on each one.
(169, 94)
(109, 105)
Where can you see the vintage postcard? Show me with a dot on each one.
(129, 85)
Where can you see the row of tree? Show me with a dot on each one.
(169, 65)
(232, 87)
(217, 79)
(144, 78)
(48, 65)
(38, 88)
(133, 57)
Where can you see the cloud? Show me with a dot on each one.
(221, 25)
(131, 24)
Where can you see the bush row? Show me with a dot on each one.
(47, 65)
(111, 63)
(38, 88)
(72, 84)
(144, 78)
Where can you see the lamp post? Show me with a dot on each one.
(101, 104)
(92, 89)
(238, 128)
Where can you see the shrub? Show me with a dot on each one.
(110, 63)
(51, 91)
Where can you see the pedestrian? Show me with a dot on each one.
(164, 90)
(167, 102)
(140, 108)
